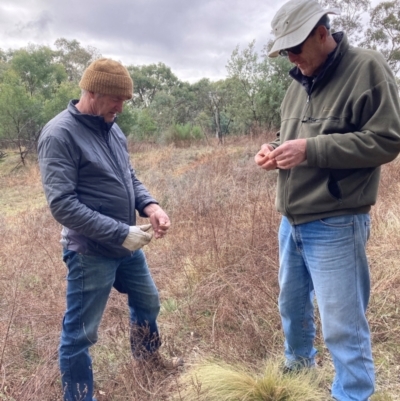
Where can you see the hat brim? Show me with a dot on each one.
(298, 36)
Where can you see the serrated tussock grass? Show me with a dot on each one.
(212, 381)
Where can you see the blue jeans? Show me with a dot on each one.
(90, 279)
(327, 258)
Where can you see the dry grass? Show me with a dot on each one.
(212, 381)
(216, 272)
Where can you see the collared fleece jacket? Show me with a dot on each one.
(350, 116)
(89, 183)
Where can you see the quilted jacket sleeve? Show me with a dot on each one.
(59, 172)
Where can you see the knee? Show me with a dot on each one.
(85, 338)
(89, 333)
(152, 308)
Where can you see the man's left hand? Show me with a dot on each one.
(290, 153)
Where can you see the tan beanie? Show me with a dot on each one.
(107, 77)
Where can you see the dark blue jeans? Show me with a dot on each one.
(90, 279)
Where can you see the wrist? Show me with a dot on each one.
(150, 209)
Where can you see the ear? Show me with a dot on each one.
(322, 33)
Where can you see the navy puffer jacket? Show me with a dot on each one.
(89, 183)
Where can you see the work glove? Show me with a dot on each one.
(137, 237)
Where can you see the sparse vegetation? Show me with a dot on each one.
(216, 272)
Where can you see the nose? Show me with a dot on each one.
(292, 57)
(119, 106)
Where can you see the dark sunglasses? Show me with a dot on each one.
(295, 49)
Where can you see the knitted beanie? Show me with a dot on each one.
(107, 77)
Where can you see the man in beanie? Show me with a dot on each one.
(339, 124)
(93, 192)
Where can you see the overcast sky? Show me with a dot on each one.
(195, 38)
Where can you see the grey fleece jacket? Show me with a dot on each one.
(89, 183)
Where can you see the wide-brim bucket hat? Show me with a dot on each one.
(294, 21)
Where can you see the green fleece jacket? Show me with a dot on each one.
(350, 116)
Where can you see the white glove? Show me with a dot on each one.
(137, 237)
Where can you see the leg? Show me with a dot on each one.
(90, 279)
(144, 303)
(334, 250)
(295, 301)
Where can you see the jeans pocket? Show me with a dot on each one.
(67, 255)
(338, 221)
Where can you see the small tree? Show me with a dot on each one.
(149, 80)
(383, 33)
(350, 19)
(74, 57)
(37, 69)
(21, 118)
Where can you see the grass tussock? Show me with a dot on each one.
(216, 271)
(221, 382)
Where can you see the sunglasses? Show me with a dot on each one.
(295, 49)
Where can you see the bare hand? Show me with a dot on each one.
(264, 159)
(290, 153)
(158, 219)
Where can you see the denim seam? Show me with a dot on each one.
(306, 295)
(362, 349)
(79, 256)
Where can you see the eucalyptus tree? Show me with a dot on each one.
(59, 99)
(38, 70)
(74, 57)
(21, 117)
(272, 89)
(352, 17)
(245, 74)
(383, 33)
(210, 107)
(3, 63)
(149, 80)
(256, 85)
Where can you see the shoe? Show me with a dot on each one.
(298, 370)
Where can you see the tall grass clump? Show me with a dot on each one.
(221, 382)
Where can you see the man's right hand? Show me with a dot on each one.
(263, 159)
(137, 237)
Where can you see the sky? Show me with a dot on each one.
(195, 38)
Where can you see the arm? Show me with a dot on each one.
(374, 118)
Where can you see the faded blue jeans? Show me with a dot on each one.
(327, 258)
(90, 279)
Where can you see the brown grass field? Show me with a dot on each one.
(216, 271)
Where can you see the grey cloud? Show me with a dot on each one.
(188, 36)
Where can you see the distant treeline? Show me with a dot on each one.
(36, 83)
